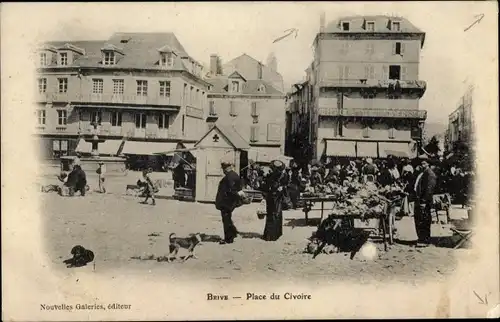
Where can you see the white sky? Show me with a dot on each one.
(449, 57)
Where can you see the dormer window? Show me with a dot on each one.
(63, 59)
(167, 60)
(396, 26)
(111, 54)
(109, 58)
(345, 26)
(261, 88)
(235, 86)
(43, 59)
(370, 26)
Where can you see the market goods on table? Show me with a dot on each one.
(352, 199)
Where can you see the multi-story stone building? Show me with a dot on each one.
(141, 88)
(247, 95)
(461, 122)
(366, 88)
(297, 135)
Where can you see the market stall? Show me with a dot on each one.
(355, 207)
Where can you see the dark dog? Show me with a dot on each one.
(81, 257)
(188, 243)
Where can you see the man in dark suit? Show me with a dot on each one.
(424, 189)
(229, 196)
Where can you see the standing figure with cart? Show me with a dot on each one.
(275, 189)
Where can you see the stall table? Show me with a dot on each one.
(387, 225)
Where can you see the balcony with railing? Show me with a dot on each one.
(108, 99)
(366, 112)
(404, 85)
(126, 99)
(106, 129)
(54, 97)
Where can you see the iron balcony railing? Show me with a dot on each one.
(363, 112)
(106, 98)
(367, 83)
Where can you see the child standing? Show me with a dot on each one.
(101, 171)
(150, 188)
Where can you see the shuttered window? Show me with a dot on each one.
(404, 72)
(385, 71)
(369, 72)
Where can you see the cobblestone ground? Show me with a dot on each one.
(117, 227)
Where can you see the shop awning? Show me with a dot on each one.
(338, 148)
(267, 154)
(83, 147)
(400, 150)
(108, 147)
(367, 149)
(147, 148)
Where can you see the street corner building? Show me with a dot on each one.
(360, 96)
(138, 93)
(247, 95)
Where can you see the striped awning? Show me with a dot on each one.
(366, 149)
(340, 148)
(397, 149)
(147, 148)
(108, 147)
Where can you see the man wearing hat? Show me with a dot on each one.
(424, 190)
(101, 171)
(229, 196)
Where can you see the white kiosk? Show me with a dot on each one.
(218, 144)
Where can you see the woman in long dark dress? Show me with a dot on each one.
(274, 189)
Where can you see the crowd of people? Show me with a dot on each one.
(282, 186)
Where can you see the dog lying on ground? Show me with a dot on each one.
(188, 243)
(81, 257)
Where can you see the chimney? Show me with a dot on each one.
(214, 61)
(259, 70)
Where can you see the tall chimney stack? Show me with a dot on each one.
(214, 61)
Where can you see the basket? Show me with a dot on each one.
(261, 214)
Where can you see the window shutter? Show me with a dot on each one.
(403, 73)
(367, 49)
(402, 48)
(394, 48)
(367, 72)
(385, 71)
(341, 72)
